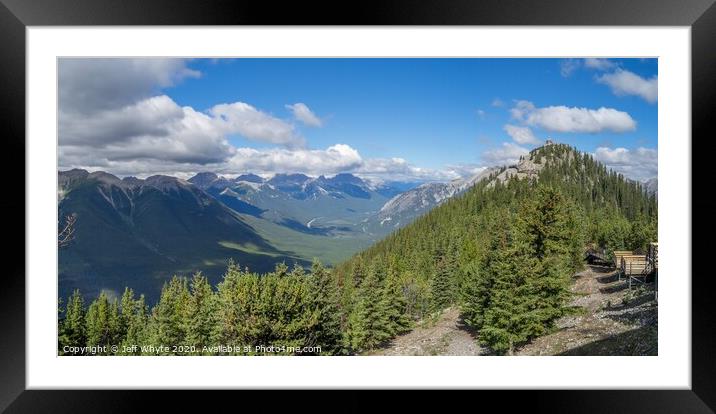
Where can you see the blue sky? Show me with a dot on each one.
(385, 118)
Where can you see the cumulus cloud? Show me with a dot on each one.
(154, 128)
(623, 82)
(338, 158)
(111, 111)
(507, 154)
(334, 159)
(95, 84)
(242, 118)
(573, 119)
(112, 114)
(157, 128)
(598, 64)
(304, 114)
(497, 103)
(149, 117)
(521, 135)
(638, 164)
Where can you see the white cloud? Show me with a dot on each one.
(508, 154)
(154, 128)
(481, 113)
(114, 117)
(304, 114)
(401, 170)
(242, 118)
(622, 82)
(96, 84)
(638, 164)
(334, 159)
(497, 103)
(157, 128)
(598, 63)
(573, 119)
(568, 66)
(464, 170)
(521, 135)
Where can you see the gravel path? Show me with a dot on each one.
(445, 336)
(611, 320)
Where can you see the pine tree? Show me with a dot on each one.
(507, 320)
(290, 315)
(225, 328)
(326, 332)
(548, 233)
(134, 318)
(442, 286)
(474, 295)
(530, 268)
(504, 319)
(169, 316)
(72, 328)
(396, 305)
(102, 323)
(126, 310)
(368, 323)
(200, 313)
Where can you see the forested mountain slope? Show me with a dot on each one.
(505, 249)
(133, 232)
(503, 253)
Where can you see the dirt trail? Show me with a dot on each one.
(613, 320)
(445, 336)
(610, 320)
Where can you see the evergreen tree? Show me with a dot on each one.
(102, 323)
(200, 313)
(72, 329)
(474, 295)
(291, 317)
(326, 332)
(368, 323)
(396, 305)
(169, 316)
(549, 233)
(503, 316)
(442, 287)
(134, 318)
(225, 327)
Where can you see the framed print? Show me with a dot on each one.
(467, 197)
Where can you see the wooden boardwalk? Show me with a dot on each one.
(637, 267)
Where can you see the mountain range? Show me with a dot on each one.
(134, 232)
(314, 205)
(138, 232)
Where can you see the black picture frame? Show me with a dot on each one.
(15, 15)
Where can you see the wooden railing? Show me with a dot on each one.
(634, 265)
(618, 254)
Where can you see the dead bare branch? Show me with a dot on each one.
(66, 235)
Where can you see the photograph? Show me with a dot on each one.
(357, 206)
